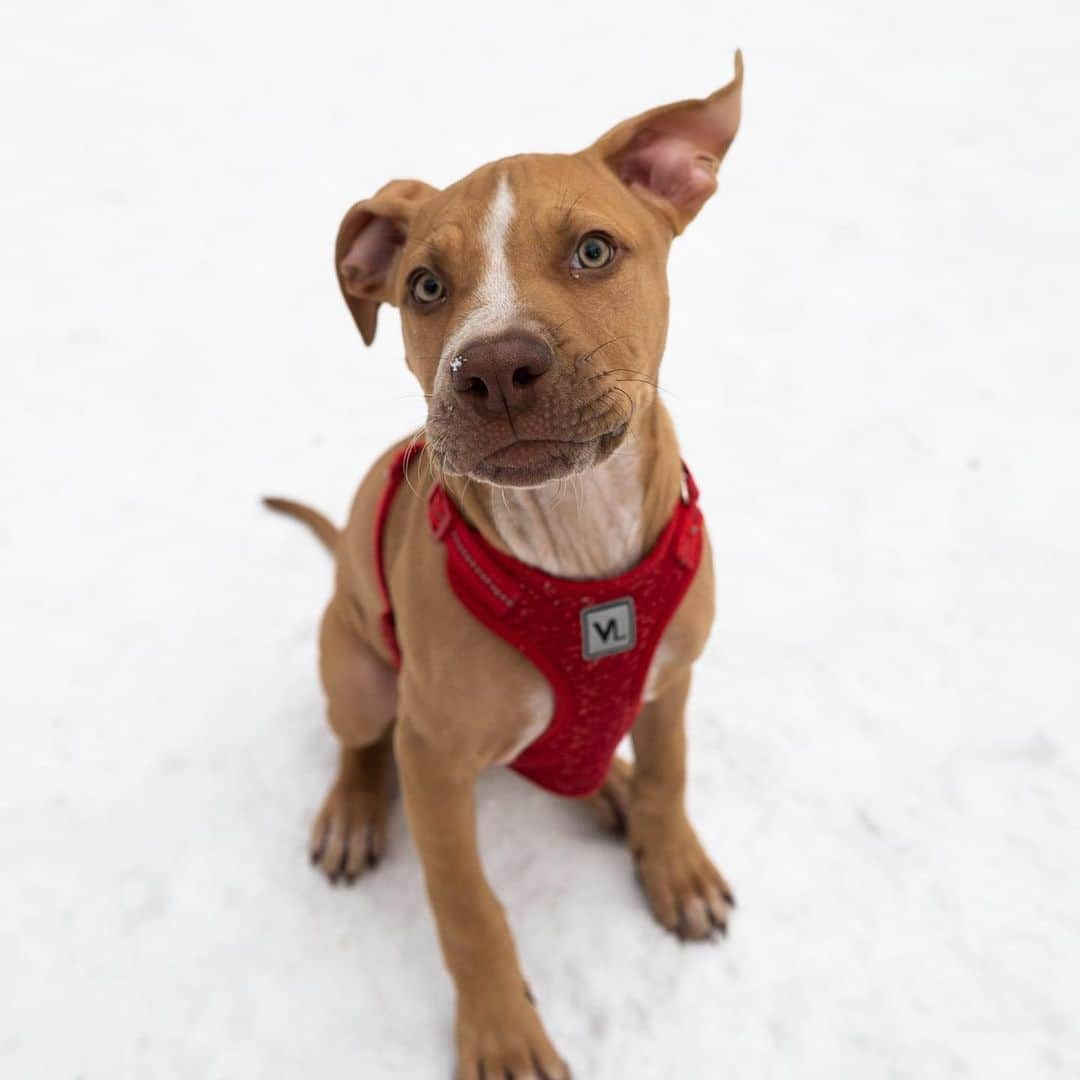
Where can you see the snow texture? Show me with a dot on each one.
(873, 368)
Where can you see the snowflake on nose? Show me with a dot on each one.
(455, 364)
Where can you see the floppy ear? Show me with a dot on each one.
(369, 241)
(669, 156)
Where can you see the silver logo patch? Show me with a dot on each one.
(608, 629)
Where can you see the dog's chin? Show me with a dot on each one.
(527, 463)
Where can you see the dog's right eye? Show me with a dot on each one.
(426, 287)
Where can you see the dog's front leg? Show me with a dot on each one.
(687, 893)
(498, 1030)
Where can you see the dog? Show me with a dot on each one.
(485, 622)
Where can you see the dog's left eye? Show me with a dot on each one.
(594, 251)
(427, 288)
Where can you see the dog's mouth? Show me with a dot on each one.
(532, 462)
(567, 432)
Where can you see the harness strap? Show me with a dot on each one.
(394, 479)
(490, 583)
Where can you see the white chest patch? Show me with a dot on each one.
(537, 713)
(660, 661)
(586, 526)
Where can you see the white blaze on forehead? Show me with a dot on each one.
(497, 288)
(495, 305)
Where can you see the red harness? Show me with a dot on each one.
(592, 640)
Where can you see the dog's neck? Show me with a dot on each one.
(594, 525)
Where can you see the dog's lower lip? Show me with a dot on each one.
(526, 452)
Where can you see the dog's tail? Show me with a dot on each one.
(321, 526)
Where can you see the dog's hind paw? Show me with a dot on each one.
(611, 804)
(349, 834)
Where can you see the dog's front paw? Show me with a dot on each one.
(687, 894)
(501, 1036)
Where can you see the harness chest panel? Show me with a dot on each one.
(594, 640)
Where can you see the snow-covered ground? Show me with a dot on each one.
(873, 367)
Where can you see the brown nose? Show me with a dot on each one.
(500, 376)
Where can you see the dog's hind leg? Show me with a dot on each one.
(349, 834)
(610, 805)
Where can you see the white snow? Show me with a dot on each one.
(873, 368)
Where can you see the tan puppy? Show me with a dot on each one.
(533, 299)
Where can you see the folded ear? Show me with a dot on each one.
(369, 241)
(669, 156)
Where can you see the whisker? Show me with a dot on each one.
(649, 382)
(603, 345)
(628, 398)
(407, 461)
(570, 209)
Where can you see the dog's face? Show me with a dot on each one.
(533, 293)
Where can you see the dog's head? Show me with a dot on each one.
(533, 293)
